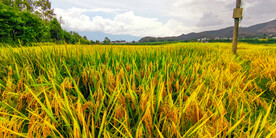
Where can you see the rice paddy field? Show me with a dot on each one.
(174, 90)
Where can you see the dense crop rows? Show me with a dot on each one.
(176, 90)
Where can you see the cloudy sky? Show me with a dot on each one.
(157, 17)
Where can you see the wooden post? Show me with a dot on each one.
(236, 15)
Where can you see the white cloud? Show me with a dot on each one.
(159, 17)
(209, 19)
(204, 14)
(123, 23)
(258, 11)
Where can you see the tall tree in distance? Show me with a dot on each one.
(7, 2)
(19, 26)
(106, 41)
(44, 10)
(55, 30)
(85, 38)
(26, 22)
(22, 5)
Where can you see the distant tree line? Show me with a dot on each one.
(155, 41)
(250, 41)
(24, 22)
(259, 41)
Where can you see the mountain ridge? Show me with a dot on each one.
(258, 30)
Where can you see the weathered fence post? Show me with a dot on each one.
(237, 15)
